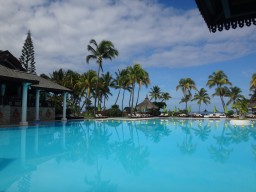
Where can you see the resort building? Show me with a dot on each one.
(20, 92)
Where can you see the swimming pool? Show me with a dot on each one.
(114, 155)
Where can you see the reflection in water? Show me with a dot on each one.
(254, 151)
(187, 146)
(220, 152)
(99, 185)
(202, 131)
(97, 147)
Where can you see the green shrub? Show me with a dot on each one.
(229, 113)
(114, 112)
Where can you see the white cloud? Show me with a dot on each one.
(142, 31)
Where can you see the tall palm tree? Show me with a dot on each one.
(155, 93)
(117, 84)
(219, 79)
(202, 96)
(143, 79)
(186, 85)
(134, 75)
(104, 50)
(125, 83)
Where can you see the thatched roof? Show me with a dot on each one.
(146, 104)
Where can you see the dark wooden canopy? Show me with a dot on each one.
(226, 14)
(11, 70)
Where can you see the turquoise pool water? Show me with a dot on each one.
(147, 155)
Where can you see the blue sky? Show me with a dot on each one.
(168, 38)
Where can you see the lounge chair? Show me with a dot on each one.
(100, 116)
(222, 116)
(161, 115)
(182, 115)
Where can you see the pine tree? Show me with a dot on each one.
(27, 58)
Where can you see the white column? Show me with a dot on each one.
(37, 104)
(64, 107)
(24, 104)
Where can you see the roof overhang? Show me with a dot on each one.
(226, 14)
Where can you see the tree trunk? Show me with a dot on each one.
(96, 96)
(104, 103)
(118, 96)
(223, 103)
(123, 103)
(138, 96)
(133, 87)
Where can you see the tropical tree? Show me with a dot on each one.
(135, 73)
(125, 83)
(86, 85)
(253, 89)
(253, 82)
(27, 57)
(242, 107)
(107, 82)
(104, 50)
(165, 96)
(202, 96)
(219, 79)
(143, 79)
(68, 79)
(58, 76)
(155, 93)
(186, 85)
(234, 94)
(117, 84)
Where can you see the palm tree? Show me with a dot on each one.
(219, 79)
(253, 82)
(143, 79)
(165, 96)
(105, 50)
(241, 106)
(86, 84)
(186, 85)
(155, 93)
(125, 83)
(234, 94)
(58, 76)
(107, 81)
(135, 72)
(117, 84)
(201, 96)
